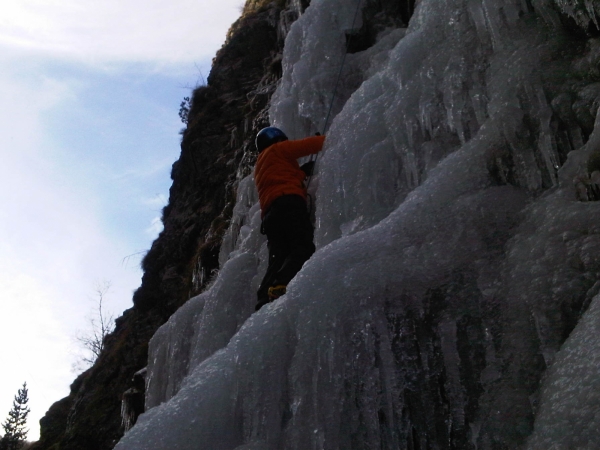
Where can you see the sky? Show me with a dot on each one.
(89, 129)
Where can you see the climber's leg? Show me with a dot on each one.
(290, 240)
(278, 251)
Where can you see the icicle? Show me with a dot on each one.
(478, 102)
(447, 330)
(286, 18)
(132, 402)
(541, 327)
(409, 162)
(546, 9)
(547, 145)
(583, 14)
(589, 4)
(454, 95)
(477, 14)
(490, 9)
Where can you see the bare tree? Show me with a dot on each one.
(100, 324)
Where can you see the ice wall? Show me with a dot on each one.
(455, 266)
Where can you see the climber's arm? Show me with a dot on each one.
(303, 147)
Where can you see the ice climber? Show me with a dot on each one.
(285, 217)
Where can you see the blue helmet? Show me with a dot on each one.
(269, 136)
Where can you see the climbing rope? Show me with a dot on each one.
(337, 81)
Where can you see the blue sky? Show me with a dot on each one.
(89, 129)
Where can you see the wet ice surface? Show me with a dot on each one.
(453, 258)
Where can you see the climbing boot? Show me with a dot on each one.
(276, 291)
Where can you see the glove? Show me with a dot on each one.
(308, 168)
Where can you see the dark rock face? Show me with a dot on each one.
(217, 150)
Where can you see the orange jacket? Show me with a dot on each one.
(278, 173)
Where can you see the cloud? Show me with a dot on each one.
(156, 226)
(156, 202)
(118, 30)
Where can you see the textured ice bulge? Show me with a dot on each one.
(452, 301)
(569, 416)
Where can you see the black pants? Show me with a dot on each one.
(290, 237)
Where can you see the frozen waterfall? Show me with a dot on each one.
(453, 298)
